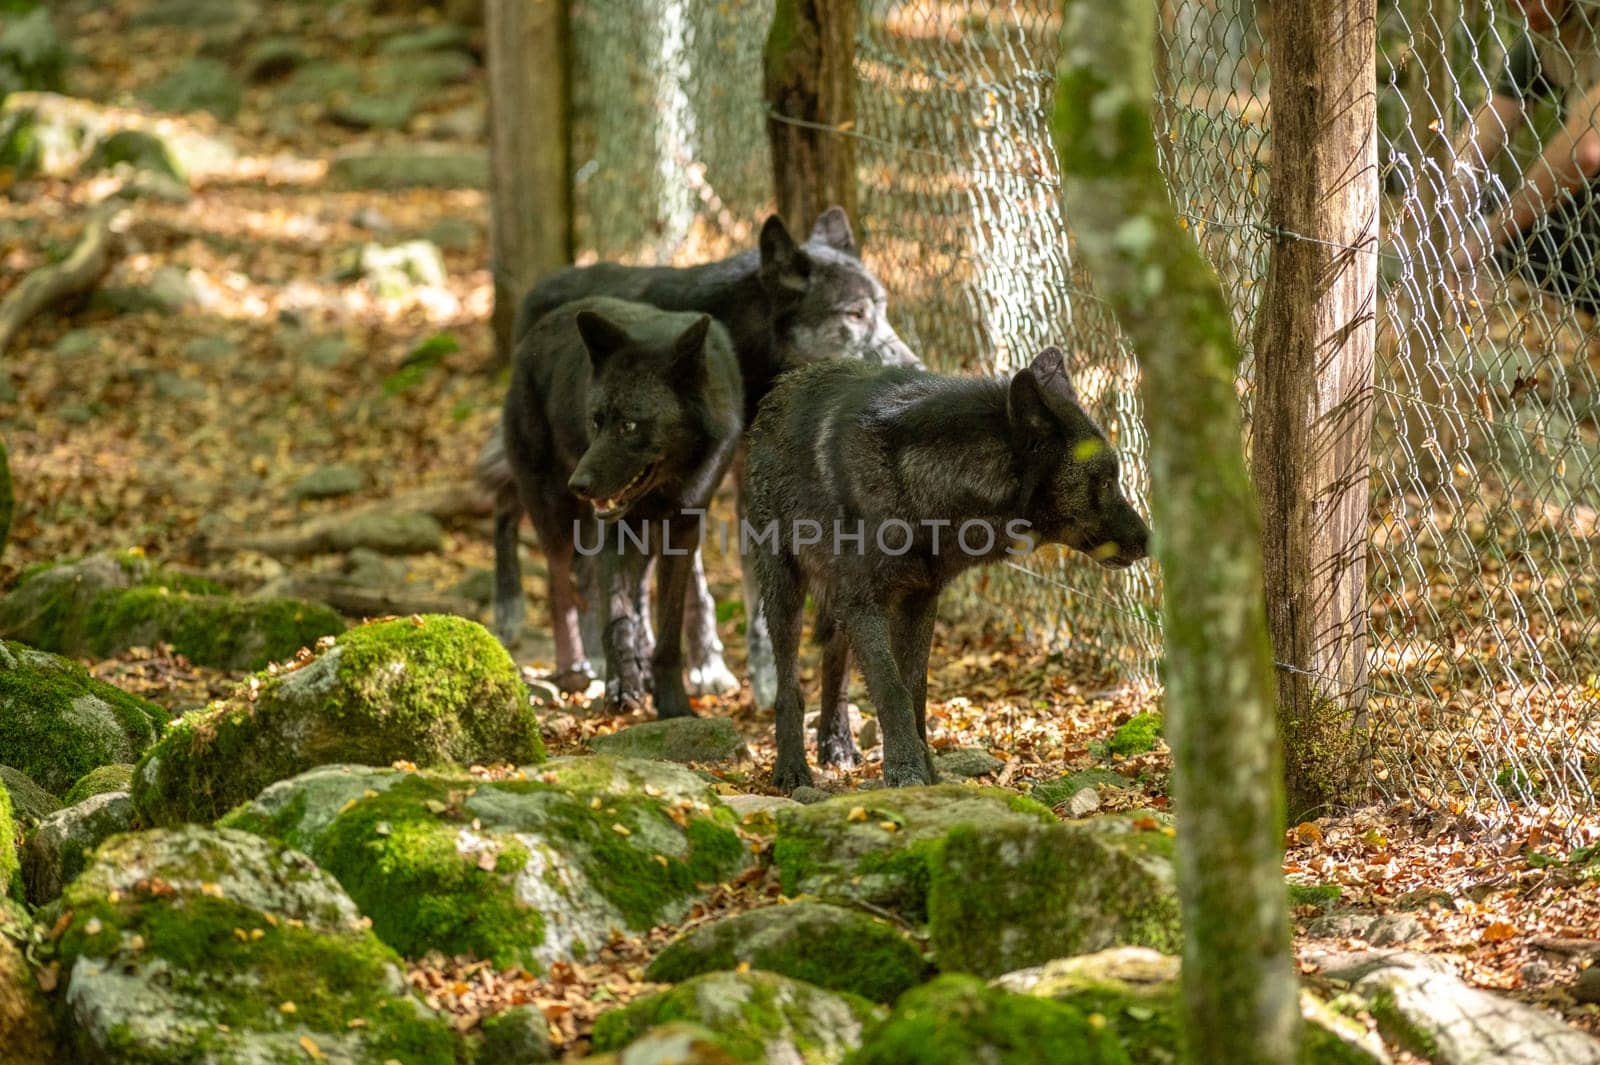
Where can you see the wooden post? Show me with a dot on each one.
(1240, 996)
(530, 182)
(1313, 408)
(810, 81)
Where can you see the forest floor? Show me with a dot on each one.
(123, 432)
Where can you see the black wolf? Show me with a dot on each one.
(875, 488)
(618, 414)
(784, 305)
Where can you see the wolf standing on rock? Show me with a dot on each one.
(619, 416)
(875, 488)
(784, 305)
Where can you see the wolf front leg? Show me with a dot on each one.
(785, 599)
(509, 603)
(763, 666)
(673, 570)
(836, 743)
(912, 636)
(622, 571)
(905, 759)
(708, 673)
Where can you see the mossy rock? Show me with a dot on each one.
(59, 848)
(117, 776)
(958, 1020)
(1137, 735)
(138, 149)
(200, 84)
(442, 167)
(30, 1034)
(1002, 897)
(30, 803)
(517, 1036)
(524, 871)
(1135, 991)
(876, 847)
(1055, 792)
(57, 722)
(757, 1017)
(200, 944)
(106, 603)
(678, 739)
(431, 690)
(830, 946)
(674, 1043)
(32, 55)
(9, 838)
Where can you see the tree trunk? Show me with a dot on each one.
(810, 82)
(1313, 410)
(7, 501)
(1240, 996)
(530, 183)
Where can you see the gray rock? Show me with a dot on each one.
(477, 586)
(370, 569)
(135, 991)
(117, 776)
(543, 693)
(157, 188)
(78, 343)
(517, 1036)
(29, 802)
(1351, 965)
(201, 84)
(554, 861)
(59, 849)
(138, 149)
(420, 166)
(679, 739)
(388, 110)
(1394, 930)
(1340, 925)
(318, 82)
(966, 762)
(1437, 1015)
(805, 795)
(326, 482)
(1587, 986)
(402, 533)
(755, 806)
(1083, 803)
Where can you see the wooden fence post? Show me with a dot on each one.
(810, 79)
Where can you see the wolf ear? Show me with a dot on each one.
(1026, 409)
(1049, 370)
(833, 229)
(784, 267)
(601, 336)
(688, 351)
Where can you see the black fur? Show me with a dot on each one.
(853, 448)
(618, 414)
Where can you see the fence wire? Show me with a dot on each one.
(1485, 684)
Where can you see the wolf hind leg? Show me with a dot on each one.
(836, 746)
(708, 672)
(905, 757)
(510, 605)
(765, 674)
(573, 672)
(911, 635)
(784, 595)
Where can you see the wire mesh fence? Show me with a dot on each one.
(1484, 639)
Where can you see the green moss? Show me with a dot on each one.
(10, 874)
(433, 691)
(956, 1020)
(1053, 792)
(117, 776)
(213, 630)
(395, 854)
(1137, 735)
(57, 722)
(30, 803)
(1320, 895)
(828, 946)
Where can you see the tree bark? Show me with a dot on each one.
(530, 182)
(1313, 411)
(7, 499)
(1240, 1000)
(78, 272)
(809, 76)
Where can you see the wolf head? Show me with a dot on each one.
(641, 425)
(1075, 498)
(828, 305)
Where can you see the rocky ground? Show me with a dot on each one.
(256, 430)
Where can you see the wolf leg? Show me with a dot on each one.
(673, 571)
(905, 759)
(554, 518)
(708, 673)
(627, 660)
(591, 611)
(836, 746)
(764, 670)
(912, 636)
(785, 601)
(509, 603)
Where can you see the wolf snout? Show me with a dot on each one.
(581, 483)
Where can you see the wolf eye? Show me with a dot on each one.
(630, 427)
(858, 314)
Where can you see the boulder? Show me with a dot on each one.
(54, 135)
(118, 776)
(517, 1036)
(757, 1017)
(962, 762)
(135, 148)
(1002, 897)
(958, 1020)
(30, 803)
(431, 690)
(326, 482)
(1136, 991)
(673, 1043)
(677, 739)
(200, 84)
(59, 848)
(830, 946)
(25, 1018)
(198, 944)
(417, 166)
(524, 871)
(877, 847)
(57, 722)
(106, 603)
(9, 837)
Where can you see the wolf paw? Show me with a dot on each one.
(712, 677)
(838, 751)
(786, 776)
(574, 679)
(623, 700)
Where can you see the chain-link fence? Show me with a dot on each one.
(1486, 462)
